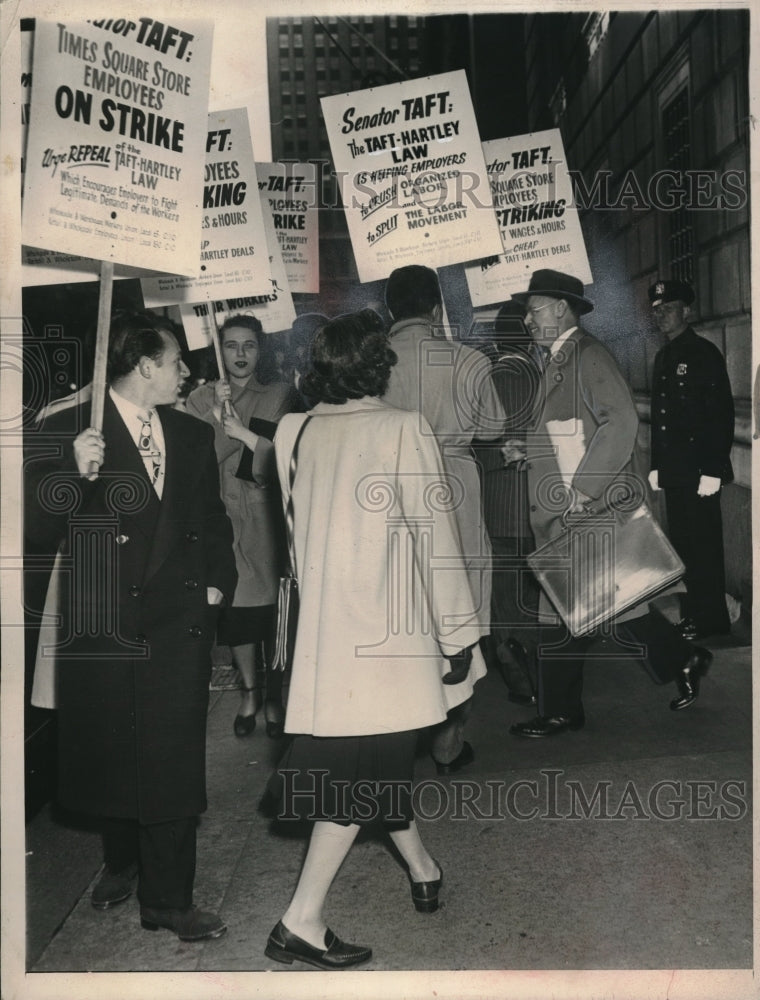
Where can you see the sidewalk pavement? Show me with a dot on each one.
(624, 846)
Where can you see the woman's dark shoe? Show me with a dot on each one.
(425, 894)
(274, 713)
(244, 725)
(688, 678)
(283, 946)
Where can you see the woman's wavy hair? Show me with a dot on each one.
(350, 358)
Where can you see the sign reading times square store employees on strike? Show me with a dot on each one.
(539, 225)
(230, 243)
(116, 140)
(414, 183)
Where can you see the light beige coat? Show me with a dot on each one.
(383, 584)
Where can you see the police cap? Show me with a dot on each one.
(670, 291)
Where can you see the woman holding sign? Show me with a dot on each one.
(244, 410)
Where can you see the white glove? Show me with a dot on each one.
(654, 479)
(707, 486)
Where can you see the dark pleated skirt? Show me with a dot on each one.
(242, 626)
(349, 779)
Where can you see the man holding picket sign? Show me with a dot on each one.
(147, 556)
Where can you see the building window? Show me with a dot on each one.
(676, 139)
(594, 30)
(558, 102)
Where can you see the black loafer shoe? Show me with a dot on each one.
(283, 946)
(425, 894)
(112, 889)
(465, 756)
(688, 678)
(189, 925)
(548, 725)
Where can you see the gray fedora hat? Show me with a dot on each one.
(557, 285)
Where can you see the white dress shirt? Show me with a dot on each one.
(133, 416)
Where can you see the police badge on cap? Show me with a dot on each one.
(671, 291)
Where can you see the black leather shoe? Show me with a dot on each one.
(548, 725)
(517, 698)
(283, 946)
(274, 714)
(113, 888)
(244, 725)
(425, 894)
(689, 676)
(465, 756)
(189, 925)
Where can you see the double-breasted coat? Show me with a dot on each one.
(583, 435)
(134, 661)
(384, 591)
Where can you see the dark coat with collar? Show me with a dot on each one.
(692, 413)
(134, 668)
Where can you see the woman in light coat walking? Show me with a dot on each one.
(386, 612)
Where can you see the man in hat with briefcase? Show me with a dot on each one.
(581, 454)
(692, 419)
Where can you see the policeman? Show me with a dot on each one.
(692, 432)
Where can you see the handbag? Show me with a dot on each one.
(287, 593)
(604, 563)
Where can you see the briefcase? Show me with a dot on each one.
(603, 564)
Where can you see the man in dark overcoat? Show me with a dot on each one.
(581, 458)
(517, 370)
(692, 434)
(147, 556)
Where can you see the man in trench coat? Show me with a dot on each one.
(147, 558)
(450, 384)
(581, 455)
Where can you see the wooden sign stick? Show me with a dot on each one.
(216, 341)
(101, 352)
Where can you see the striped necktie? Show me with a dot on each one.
(149, 451)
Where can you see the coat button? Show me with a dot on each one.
(192, 536)
(141, 638)
(534, 508)
(134, 591)
(196, 631)
(122, 539)
(662, 428)
(191, 584)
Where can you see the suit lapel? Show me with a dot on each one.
(180, 465)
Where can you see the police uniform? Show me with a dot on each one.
(692, 422)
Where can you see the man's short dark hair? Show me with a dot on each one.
(135, 335)
(412, 291)
(350, 358)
